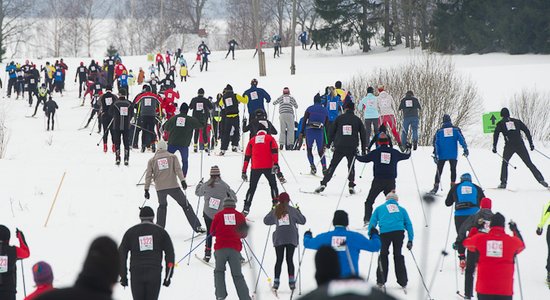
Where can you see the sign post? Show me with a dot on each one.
(490, 121)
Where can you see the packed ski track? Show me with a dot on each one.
(99, 198)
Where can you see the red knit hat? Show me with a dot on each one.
(284, 197)
(486, 203)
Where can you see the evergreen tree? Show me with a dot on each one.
(111, 51)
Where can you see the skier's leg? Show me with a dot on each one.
(336, 158)
(375, 189)
(53, 119)
(290, 129)
(222, 256)
(506, 155)
(290, 260)
(279, 253)
(180, 198)
(471, 262)
(208, 223)
(161, 210)
(137, 285)
(548, 244)
(405, 129)
(254, 178)
(234, 259)
(153, 285)
(351, 168)
(368, 123)
(414, 128)
(236, 133)
(272, 183)
(398, 258)
(225, 134)
(440, 165)
(382, 270)
(524, 155)
(452, 163)
(459, 220)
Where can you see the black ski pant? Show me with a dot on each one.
(471, 262)
(40, 100)
(255, 175)
(106, 120)
(11, 85)
(204, 65)
(161, 64)
(50, 116)
(521, 151)
(32, 90)
(81, 86)
(349, 154)
(215, 136)
(231, 128)
(276, 51)
(197, 133)
(493, 297)
(148, 135)
(145, 282)
(231, 50)
(208, 223)
(378, 186)
(92, 114)
(178, 195)
(7, 295)
(280, 252)
(440, 165)
(110, 76)
(371, 125)
(394, 238)
(548, 243)
(121, 136)
(459, 220)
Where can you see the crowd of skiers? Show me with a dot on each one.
(348, 126)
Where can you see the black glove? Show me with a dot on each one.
(275, 169)
(532, 147)
(183, 184)
(455, 246)
(494, 149)
(373, 231)
(167, 282)
(409, 245)
(435, 158)
(244, 177)
(124, 281)
(147, 195)
(466, 152)
(408, 146)
(308, 233)
(513, 226)
(244, 122)
(539, 231)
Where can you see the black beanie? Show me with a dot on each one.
(504, 112)
(228, 88)
(370, 90)
(102, 263)
(498, 220)
(327, 265)
(446, 118)
(184, 108)
(349, 105)
(200, 92)
(5, 233)
(146, 213)
(340, 218)
(338, 84)
(317, 98)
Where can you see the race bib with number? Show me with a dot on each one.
(338, 243)
(284, 221)
(108, 101)
(170, 95)
(214, 203)
(168, 82)
(286, 100)
(124, 111)
(32, 80)
(346, 129)
(162, 163)
(110, 63)
(147, 102)
(254, 95)
(510, 125)
(98, 87)
(260, 139)
(494, 248)
(392, 208)
(385, 158)
(229, 219)
(146, 243)
(81, 70)
(408, 103)
(3, 264)
(466, 190)
(332, 106)
(180, 122)
(228, 101)
(448, 132)
(200, 106)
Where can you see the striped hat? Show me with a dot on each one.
(214, 171)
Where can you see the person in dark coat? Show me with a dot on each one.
(9, 255)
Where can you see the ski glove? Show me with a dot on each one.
(275, 169)
(494, 149)
(147, 195)
(244, 177)
(539, 231)
(124, 281)
(435, 159)
(167, 282)
(513, 226)
(466, 152)
(409, 245)
(19, 233)
(184, 184)
(308, 233)
(373, 231)
(532, 147)
(455, 246)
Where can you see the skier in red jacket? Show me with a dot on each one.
(264, 152)
(497, 252)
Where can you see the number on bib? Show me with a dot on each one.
(229, 219)
(180, 122)
(338, 243)
(494, 248)
(147, 102)
(408, 103)
(385, 158)
(32, 80)
(254, 95)
(3, 264)
(332, 106)
(346, 130)
(124, 111)
(108, 101)
(214, 203)
(228, 101)
(466, 190)
(284, 221)
(260, 139)
(162, 163)
(448, 132)
(146, 243)
(392, 208)
(170, 95)
(510, 125)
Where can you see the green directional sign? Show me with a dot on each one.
(490, 121)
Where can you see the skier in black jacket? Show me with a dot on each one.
(385, 161)
(201, 111)
(82, 74)
(513, 144)
(110, 62)
(232, 44)
(107, 101)
(346, 132)
(146, 242)
(8, 262)
(49, 108)
(121, 112)
(32, 77)
(259, 122)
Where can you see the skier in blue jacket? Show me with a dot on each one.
(256, 97)
(314, 125)
(445, 143)
(348, 244)
(393, 220)
(12, 73)
(369, 106)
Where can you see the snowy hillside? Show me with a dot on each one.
(99, 198)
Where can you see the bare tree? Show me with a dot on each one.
(92, 19)
(194, 11)
(12, 23)
(533, 108)
(73, 13)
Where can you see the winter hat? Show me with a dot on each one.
(102, 263)
(498, 220)
(254, 82)
(260, 114)
(161, 145)
(229, 202)
(284, 197)
(504, 112)
(486, 203)
(409, 94)
(350, 105)
(466, 177)
(338, 84)
(5, 234)
(317, 98)
(200, 92)
(340, 218)
(446, 118)
(184, 108)
(286, 91)
(383, 138)
(146, 213)
(327, 265)
(392, 196)
(214, 171)
(380, 88)
(228, 88)
(370, 90)
(42, 273)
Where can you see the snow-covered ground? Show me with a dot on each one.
(99, 198)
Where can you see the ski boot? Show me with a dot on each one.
(105, 147)
(276, 283)
(281, 147)
(502, 185)
(434, 190)
(142, 149)
(351, 188)
(200, 229)
(321, 188)
(195, 148)
(234, 148)
(126, 156)
(292, 284)
(153, 147)
(207, 254)
(462, 263)
(246, 208)
(543, 183)
(313, 170)
(415, 145)
(281, 178)
(381, 286)
(222, 153)
(117, 154)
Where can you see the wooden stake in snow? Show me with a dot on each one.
(55, 199)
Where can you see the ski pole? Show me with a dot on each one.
(370, 265)
(247, 257)
(421, 276)
(344, 187)
(198, 204)
(444, 251)
(519, 277)
(106, 132)
(289, 168)
(419, 195)
(258, 261)
(299, 276)
(504, 160)
(362, 170)
(93, 125)
(189, 253)
(238, 189)
(141, 178)
(474, 171)
(261, 263)
(350, 262)
(548, 157)
(23, 275)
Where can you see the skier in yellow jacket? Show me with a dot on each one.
(545, 219)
